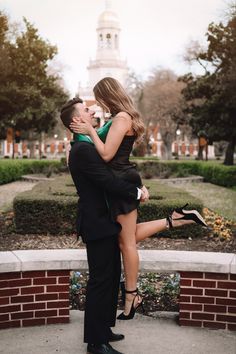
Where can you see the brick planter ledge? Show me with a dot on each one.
(34, 285)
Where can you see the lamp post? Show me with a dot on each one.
(178, 132)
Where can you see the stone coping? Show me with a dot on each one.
(150, 260)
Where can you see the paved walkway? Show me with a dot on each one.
(10, 190)
(144, 335)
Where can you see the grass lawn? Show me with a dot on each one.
(219, 199)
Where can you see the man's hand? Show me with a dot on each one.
(144, 195)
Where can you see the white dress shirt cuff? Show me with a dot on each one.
(139, 193)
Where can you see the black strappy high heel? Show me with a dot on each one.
(133, 308)
(187, 215)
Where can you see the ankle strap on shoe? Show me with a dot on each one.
(169, 224)
(131, 291)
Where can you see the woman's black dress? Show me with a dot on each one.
(123, 168)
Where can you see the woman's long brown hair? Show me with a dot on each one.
(112, 97)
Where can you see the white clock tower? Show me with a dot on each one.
(108, 61)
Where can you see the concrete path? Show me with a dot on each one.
(10, 190)
(144, 335)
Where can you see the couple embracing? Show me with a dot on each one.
(110, 190)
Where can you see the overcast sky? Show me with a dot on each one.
(154, 32)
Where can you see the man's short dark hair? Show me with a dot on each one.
(68, 110)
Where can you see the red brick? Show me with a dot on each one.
(32, 290)
(227, 284)
(226, 318)
(46, 313)
(34, 306)
(40, 281)
(215, 308)
(216, 292)
(9, 292)
(192, 275)
(4, 284)
(22, 298)
(216, 276)
(232, 276)
(203, 316)
(231, 327)
(10, 308)
(64, 296)
(57, 304)
(64, 312)
(190, 323)
(19, 282)
(232, 309)
(7, 276)
(190, 307)
(45, 297)
(203, 300)
(62, 273)
(226, 302)
(204, 283)
(184, 315)
(4, 300)
(58, 320)
(184, 298)
(57, 288)
(191, 291)
(34, 274)
(9, 324)
(34, 322)
(185, 282)
(63, 280)
(232, 294)
(20, 315)
(4, 317)
(214, 325)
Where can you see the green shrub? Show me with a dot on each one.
(12, 170)
(51, 208)
(212, 172)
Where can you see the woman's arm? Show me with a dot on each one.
(121, 124)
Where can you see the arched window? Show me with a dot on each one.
(108, 40)
(100, 41)
(116, 41)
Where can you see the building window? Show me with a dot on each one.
(100, 41)
(108, 40)
(116, 41)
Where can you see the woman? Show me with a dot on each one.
(114, 144)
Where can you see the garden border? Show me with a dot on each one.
(34, 285)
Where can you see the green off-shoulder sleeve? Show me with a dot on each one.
(102, 133)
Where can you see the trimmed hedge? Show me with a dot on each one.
(12, 170)
(51, 208)
(212, 172)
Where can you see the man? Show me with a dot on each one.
(93, 180)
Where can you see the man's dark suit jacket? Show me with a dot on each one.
(93, 179)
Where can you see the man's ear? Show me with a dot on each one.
(76, 119)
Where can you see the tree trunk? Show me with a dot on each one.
(229, 155)
(31, 145)
(167, 144)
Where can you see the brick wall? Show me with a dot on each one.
(34, 298)
(208, 300)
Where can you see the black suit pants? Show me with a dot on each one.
(102, 289)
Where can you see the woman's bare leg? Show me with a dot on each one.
(127, 243)
(149, 228)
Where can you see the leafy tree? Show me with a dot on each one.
(29, 95)
(212, 96)
(163, 104)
